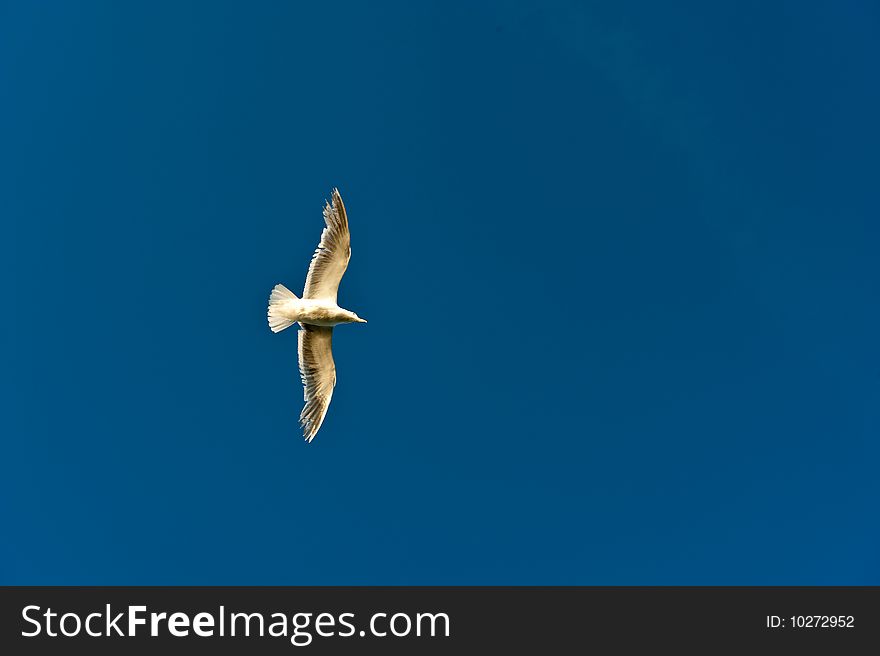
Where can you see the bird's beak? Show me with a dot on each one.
(359, 320)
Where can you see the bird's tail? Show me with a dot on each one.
(280, 297)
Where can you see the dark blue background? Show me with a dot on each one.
(619, 262)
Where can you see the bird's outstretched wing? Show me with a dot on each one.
(332, 254)
(318, 373)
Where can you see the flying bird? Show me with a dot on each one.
(317, 313)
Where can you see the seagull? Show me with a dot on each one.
(317, 313)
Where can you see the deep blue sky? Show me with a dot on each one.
(619, 262)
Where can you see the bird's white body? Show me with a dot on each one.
(316, 313)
